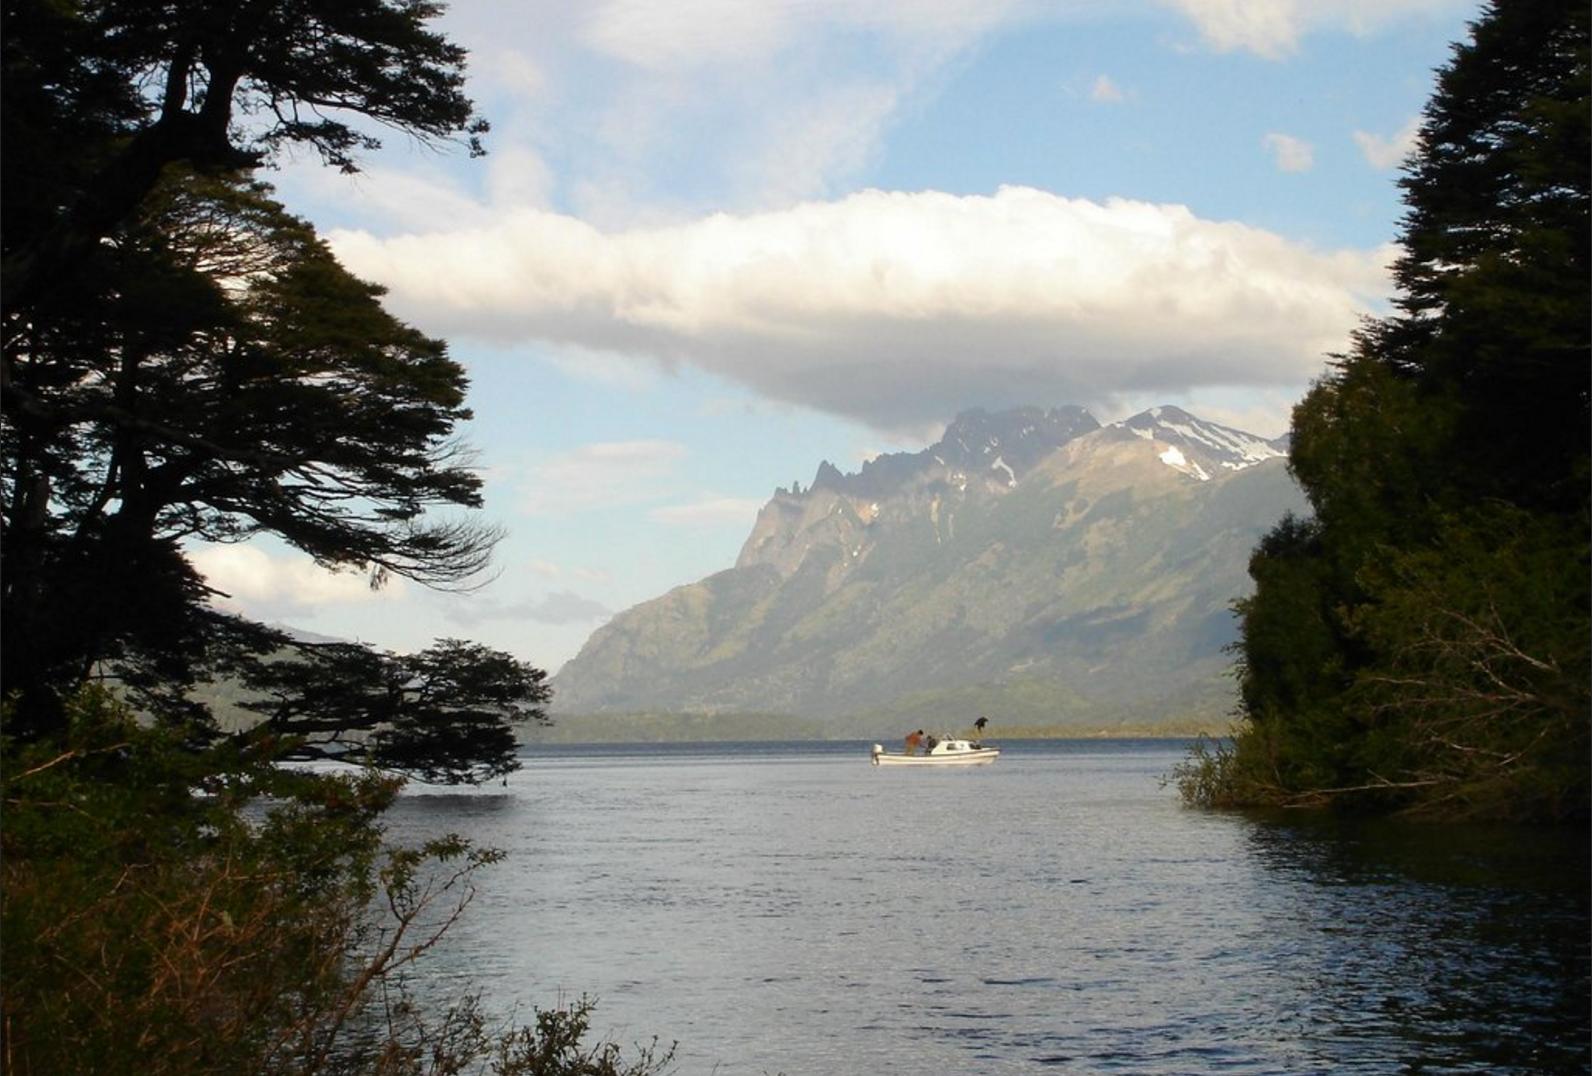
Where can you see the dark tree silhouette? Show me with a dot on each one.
(184, 360)
(102, 96)
(1423, 639)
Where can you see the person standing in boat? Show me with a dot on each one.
(912, 741)
(978, 727)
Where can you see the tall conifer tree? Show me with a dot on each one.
(1423, 638)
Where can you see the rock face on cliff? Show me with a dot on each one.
(1032, 563)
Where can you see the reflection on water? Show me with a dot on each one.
(1462, 948)
(789, 908)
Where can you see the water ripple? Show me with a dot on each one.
(793, 910)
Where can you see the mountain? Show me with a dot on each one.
(1207, 448)
(1032, 564)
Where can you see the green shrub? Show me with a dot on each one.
(175, 909)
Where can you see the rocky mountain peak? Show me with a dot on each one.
(1048, 567)
(1199, 447)
(828, 477)
(1019, 437)
(1000, 446)
(980, 449)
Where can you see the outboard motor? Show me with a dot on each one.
(878, 749)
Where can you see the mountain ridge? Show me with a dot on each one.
(1087, 568)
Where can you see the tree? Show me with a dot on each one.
(184, 360)
(445, 714)
(1493, 279)
(261, 927)
(1481, 694)
(102, 95)
(1422, 640)
(226, 378)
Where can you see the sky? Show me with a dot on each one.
(714, 242)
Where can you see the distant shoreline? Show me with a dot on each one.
(639, 729)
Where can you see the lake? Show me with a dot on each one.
(788, 908)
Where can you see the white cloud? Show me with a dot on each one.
(833, 135)
(1384, 153)
(709, 512)
(546, 569)
(1272, 28)
(559, 607)
(685, 34)
(268, 585)
(765, 102)
(762, 103)
(386, 197)
(601, 475)
(510, 69)
(600, 367)
(689, 34)
(896, 308)
(518, 178)
(392, 198)
(1105, 91)
(1291, 154)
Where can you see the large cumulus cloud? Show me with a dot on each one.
(894, 307)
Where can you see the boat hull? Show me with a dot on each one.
(979, 756)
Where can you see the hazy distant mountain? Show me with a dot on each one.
(303, 636)
(1032, 564)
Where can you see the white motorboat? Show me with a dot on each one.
(940, 753)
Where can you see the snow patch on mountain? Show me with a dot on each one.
(1179, 462)
(1205, 444)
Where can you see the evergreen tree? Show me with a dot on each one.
(1423, 639)
(444, 714)
(1493, 281)
(184, 360)
(102, 95)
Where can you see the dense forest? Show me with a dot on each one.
(1420, 642)
(185, 361)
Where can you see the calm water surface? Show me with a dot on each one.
(788, 908)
